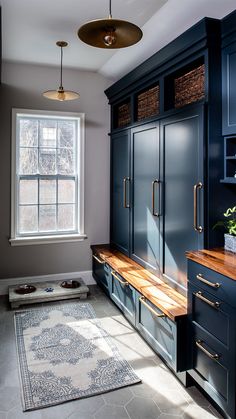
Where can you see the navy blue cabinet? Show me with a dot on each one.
(229, 89)
(123, 295)
(145, 234)
(212, 316)
(102, 273)
(120, 190)
(182, 191)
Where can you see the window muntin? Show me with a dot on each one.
(48, 168)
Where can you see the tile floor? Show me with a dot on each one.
(160, 395)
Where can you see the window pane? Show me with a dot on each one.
(28, 191)
(28, 161)
(28, 219)
(28, 132)
(66, 133)
(47, 191)
(47, 161)
(66, 217)
(48, 133)
(66, 191)
(65, 162)
(47, 217)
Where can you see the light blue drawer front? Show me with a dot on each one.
(123, 295)
(159, 332)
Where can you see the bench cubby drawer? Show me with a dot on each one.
(123, 295)
(102, 273)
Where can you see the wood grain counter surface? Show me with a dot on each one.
(219, 260)
(164, 297)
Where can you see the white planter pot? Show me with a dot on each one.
(230, 243)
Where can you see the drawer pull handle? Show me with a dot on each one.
(118, 279)
(205, 281)
(209, 354)
(156, 181)
(99, 260)
(143, 301)
(214, 304)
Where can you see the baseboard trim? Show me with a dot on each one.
(5, 283)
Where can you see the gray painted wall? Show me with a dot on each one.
(21, 88)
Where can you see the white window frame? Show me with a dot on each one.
(16, 240)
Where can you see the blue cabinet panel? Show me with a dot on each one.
(146, 196)
(229, 89)
(181, 172)
(120, 190)
(123, 295)
(159, 332)
(102, 274)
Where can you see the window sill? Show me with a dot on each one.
(22, 241)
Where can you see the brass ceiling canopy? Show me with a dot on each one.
(61, 94)
(110, 33)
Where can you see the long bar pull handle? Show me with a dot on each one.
(201, 278)
(118, 279)
(125, 180)
(154, 182)
(214, 304)
(196, 227)
(143, 301)
(209, 354)
(99, 260)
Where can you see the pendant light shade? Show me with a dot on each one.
(61, 94)
(110, 33)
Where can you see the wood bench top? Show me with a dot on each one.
(219, 260)
(167, 299)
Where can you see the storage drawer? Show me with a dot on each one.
(159, 332)
(209, 361)
(123, 295)
(211, 314)
(218, 285)
(101, 273)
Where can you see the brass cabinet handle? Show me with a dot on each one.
(125, 180)
(99, 260)
(154, 182)
(205, 281)
(118, 279)
(143, 301)
(214, 304)
(196, 187)
(209, 354)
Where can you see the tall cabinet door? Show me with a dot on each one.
(120, 190)
(182, 185)
(145, 199)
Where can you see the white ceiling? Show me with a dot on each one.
(32, 27)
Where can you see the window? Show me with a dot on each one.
(47, 177)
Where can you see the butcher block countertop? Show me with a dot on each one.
(220, 260)
(167, 299)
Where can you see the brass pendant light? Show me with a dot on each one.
(110, 33)
(61, 94)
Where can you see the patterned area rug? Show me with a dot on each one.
(65, 354)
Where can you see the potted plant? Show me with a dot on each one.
(230, 225)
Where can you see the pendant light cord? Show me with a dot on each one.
(61, 87)
(110, 15)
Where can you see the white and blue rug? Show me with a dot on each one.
(65, 354)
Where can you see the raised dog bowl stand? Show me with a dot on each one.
(47, 291)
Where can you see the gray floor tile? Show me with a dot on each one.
(17, 413)
(196, 412)
(89, 405)
(76, 415)
(143, 390)
(142, 408)
(111, 412)
(172, 402)
(3, 415)
(118, 397)
(9, 398)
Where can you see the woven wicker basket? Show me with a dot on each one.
(124, 115)
(190, 87)
(148, 103)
